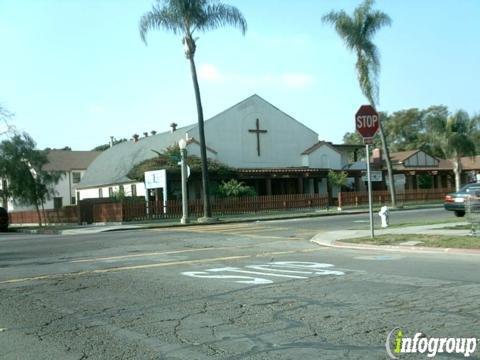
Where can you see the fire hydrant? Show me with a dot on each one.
(384, 214)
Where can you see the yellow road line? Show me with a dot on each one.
(232, 231)
(155, 265)
(209, 227)
(147, 254)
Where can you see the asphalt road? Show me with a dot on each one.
(239, 291)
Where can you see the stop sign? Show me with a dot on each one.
(366, 121)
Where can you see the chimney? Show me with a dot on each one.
(135, 138)
(173, 126)
(145, 134)
(153, 132)
(377, 157)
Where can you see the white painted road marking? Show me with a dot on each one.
(287, 269)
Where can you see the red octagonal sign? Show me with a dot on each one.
(366, 121)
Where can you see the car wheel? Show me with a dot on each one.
(459, 213)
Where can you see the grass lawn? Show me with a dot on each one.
(443, 241)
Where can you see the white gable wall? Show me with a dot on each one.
(282, 145)
(421, 159)
(325, 157)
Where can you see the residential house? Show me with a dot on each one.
(72, 165)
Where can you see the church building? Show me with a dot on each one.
(269, 150)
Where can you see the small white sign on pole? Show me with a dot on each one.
(157, 179)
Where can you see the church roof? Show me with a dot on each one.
(318, 145)
(66, 160)
(113, 165)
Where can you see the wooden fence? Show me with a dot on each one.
(64, 215)
(419, 196)
(138, 210)
(135, 210)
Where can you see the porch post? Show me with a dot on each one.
(311, 186)
(357, 183)
(300, 185)
(269, 185)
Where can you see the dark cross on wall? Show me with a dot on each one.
(258, 132)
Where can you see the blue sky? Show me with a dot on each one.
(75, 72)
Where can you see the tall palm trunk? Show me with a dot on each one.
(457, 170)
(393, 196)
(207, 210)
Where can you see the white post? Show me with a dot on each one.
(369, 182)
(183, 165)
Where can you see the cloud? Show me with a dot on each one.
(290, 80)
(209, 72)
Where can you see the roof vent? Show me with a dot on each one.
(135, 138)
(173, 126)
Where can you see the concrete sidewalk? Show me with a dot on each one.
(334, 239)
(97, 228)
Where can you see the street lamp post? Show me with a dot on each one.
(182, 144)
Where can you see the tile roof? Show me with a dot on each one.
(63, 160)
(471, 163)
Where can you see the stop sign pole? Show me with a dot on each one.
(367, 123)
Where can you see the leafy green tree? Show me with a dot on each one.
(168, 159)
(185, 17)
(453, 135)
(337, 178)
(235, 188)
(357, 32)
(22, 166)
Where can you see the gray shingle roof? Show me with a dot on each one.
(65, 160)
(113, 165)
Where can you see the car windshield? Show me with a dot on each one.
(470, 188)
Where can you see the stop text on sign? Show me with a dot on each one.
(367, 121)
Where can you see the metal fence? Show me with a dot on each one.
(472, 209)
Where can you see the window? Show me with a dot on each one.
(76, 177)
(100, 193)
(57, 203)
(134, 190)
(110, 192)
(72, 201)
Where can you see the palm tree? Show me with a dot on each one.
(357, 32)
(185, 17)
(453, 135)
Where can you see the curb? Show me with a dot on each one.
(338, 244)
